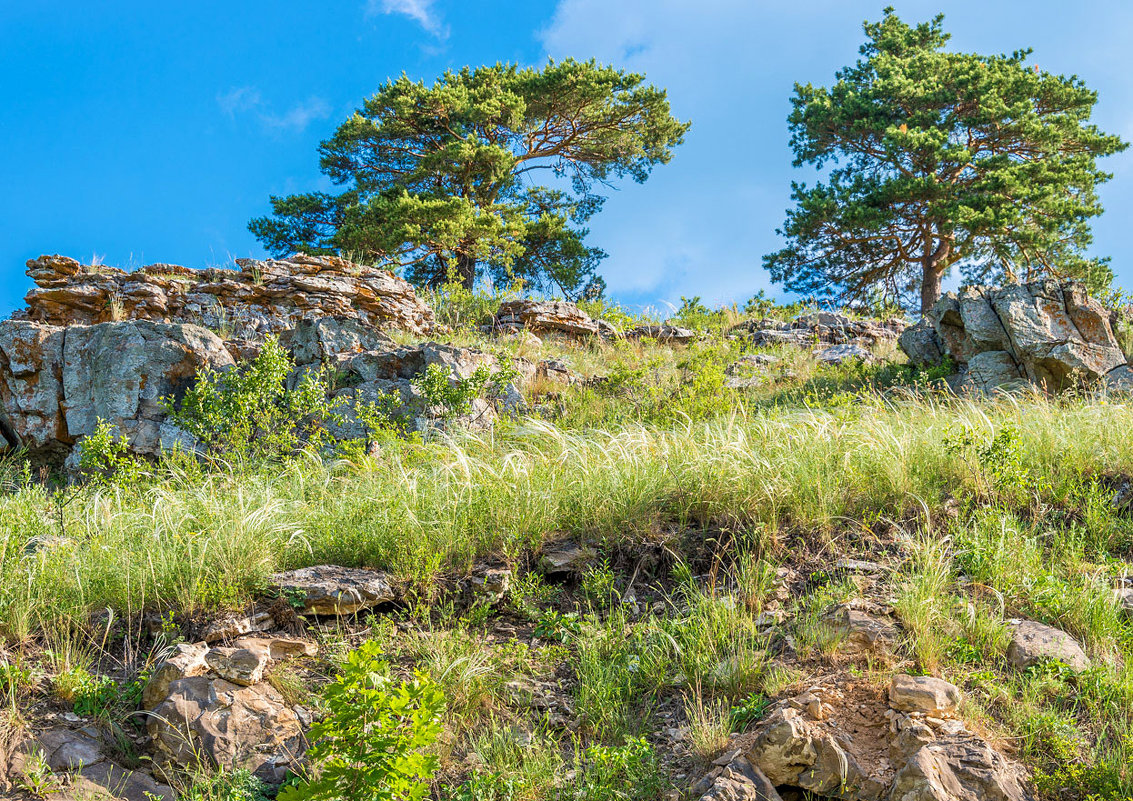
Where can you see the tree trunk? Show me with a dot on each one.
(466, 270)
(930, 286)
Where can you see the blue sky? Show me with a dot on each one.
(154, 131)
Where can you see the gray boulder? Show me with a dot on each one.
(1033, 643)
(1046, 333)
(334, 590)
(921, 344)
(57, 383)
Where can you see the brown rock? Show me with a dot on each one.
(261, 297)
(546, 316)
(862, 632)
(961, 769)
(243, 666)
(185, 661)
(232, 726)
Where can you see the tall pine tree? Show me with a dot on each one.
(943, 159)
(448, 181)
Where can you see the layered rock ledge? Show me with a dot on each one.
(261, 297)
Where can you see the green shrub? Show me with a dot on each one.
(239, 785)
(104, 457)
(750, 709)
(249, 411)
(630, 772)
(370, 745)
(452, 396)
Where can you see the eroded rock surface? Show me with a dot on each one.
(1044, 332)
(57, 383)
(259, 298)
(234, 726)
(334, 590)
(821, 328)
(214, 703)
(545, 317)
(851, 741)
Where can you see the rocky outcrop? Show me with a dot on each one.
(213, 704)
(260, 298)
(851, 742)
(820, 328)
(57, 383)
(545, 317)
(79, 757)
(1045, 333)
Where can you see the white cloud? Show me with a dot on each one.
(248, 100)
(299, 116)
(420, 11)
(239, 99)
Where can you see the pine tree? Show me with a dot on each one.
(943, 159)
(441, 179)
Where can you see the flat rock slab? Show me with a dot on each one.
(1034, 643)
(334, 590)
(564, 557)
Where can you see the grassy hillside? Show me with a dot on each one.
(724, 525)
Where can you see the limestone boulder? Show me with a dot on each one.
(79, 759)
(840, 354)
(932, 696)
(57, 383)
(315, 341)
(232, 726)
(334, 590)
(1047, 333)
(793, 751)
(662, 333)
(31, 387)
(959, 769)
(921, 344)
(545, 317)
(1033, 643)
(186, 660)
(737, 780)
(824, 327)
(862, 633)
(122, 372)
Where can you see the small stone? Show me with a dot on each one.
(934, 697)
(233, 627)
(565, 557)
(726, 757)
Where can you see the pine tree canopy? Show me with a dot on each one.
(941, 160)
(489, 171)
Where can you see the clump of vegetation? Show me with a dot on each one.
(251, 412)
(371, 743)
